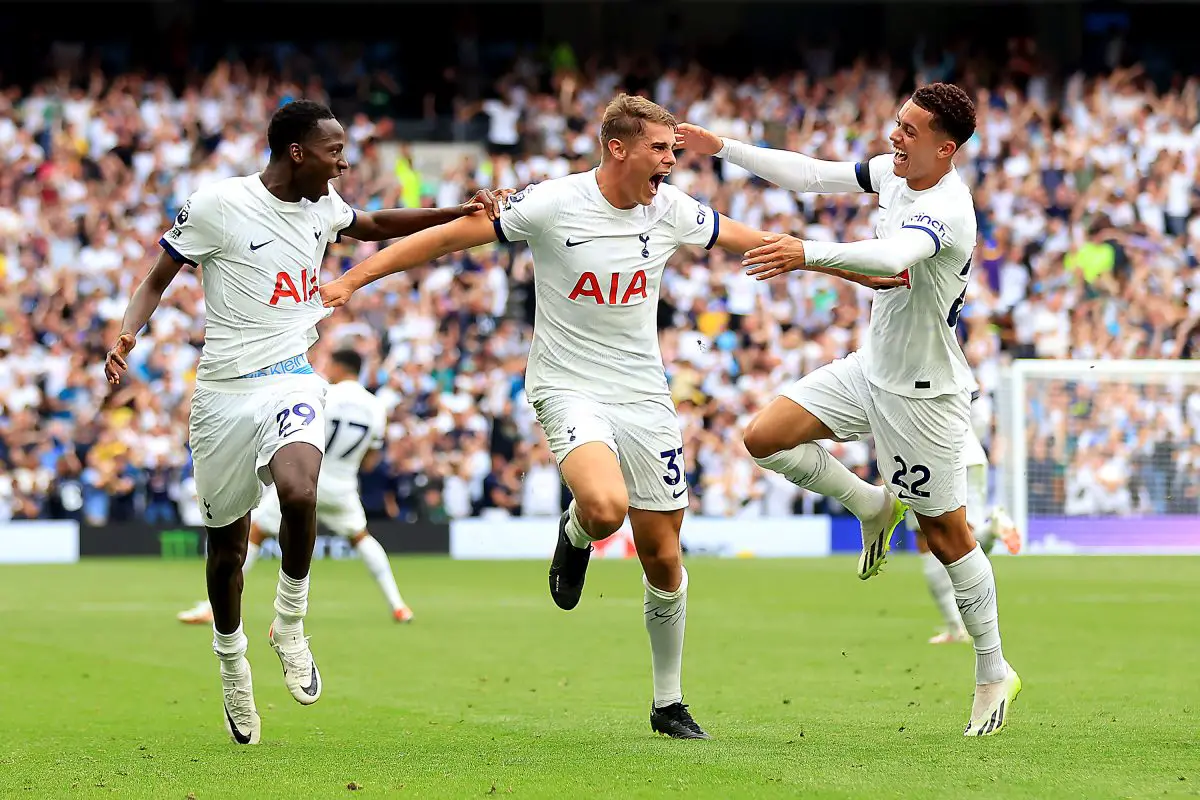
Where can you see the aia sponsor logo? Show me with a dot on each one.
(617, 292)
(286, 287)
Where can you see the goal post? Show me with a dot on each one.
(1100, 456)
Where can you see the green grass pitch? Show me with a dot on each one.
(813, 684)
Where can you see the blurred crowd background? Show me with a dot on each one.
(1085, 185)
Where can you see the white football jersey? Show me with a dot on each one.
(260, 259)
(597, 271)
(912, 346)
(355, 422)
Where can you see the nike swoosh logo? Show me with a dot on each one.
(679, 494)
(238, 736)
(254, 246)
(311, 689)
(576, 244)
(317, 235)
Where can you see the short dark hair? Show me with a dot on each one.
(292, 123)
(349, 359)
(952, 110)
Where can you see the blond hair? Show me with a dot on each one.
(626, 118)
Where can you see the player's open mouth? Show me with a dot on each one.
(899, 156)
(656, 180)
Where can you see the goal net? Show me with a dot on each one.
(1101, 456)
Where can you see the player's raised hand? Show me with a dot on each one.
(777, 255)
(697, 140)
(335, 293)
(114, 362)
(487, 201)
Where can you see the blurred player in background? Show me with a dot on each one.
(355, 421)
(986, 527)
(910, 384)
(257, 413)
(600, 241)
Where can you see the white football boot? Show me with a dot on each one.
(300, 672)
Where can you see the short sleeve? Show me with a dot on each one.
(934, 219)
(695, 224)
(199, 229)
(527, 213)
(341, 215)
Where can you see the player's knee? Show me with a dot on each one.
(226, 557)
(760, 440)
(662, 564)
(948, 536)
(603, 514)
(298, 495)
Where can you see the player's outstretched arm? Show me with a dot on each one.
(393, 223)
(141, 306)
(414, 251)
(881, 258)
(794, 171)
(744, 240)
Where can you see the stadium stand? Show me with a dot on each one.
(1085, 189)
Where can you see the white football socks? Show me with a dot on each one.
(376, 560)
(942, 590)
(230, 649)
(575, 532)
(975, 593)
(291, 604)
(666, 616)
(809, 465)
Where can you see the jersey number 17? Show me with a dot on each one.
(356, 430)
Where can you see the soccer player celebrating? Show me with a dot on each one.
(595, 378)
(257, 414)
(355, 421)
(910, 385)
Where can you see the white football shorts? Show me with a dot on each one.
(644, 434)
(338, 508)
(919, 441)
(237, 426)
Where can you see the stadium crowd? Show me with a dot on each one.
(1085, 190)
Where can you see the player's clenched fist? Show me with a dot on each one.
(697, 140)
(114, 362)
(335, 293)
(779, 254)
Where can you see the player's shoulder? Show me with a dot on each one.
(669, 193)
(209, 209)
(950, 201)
(330, 200)
(548, 200)
(351, 391)
(226, 189)
(672, 198)
(227, 200)
(567, 187)
(881, 172)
